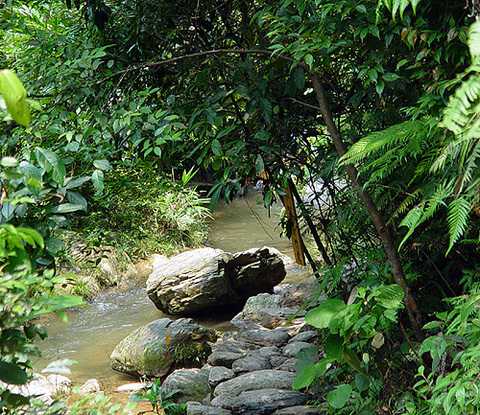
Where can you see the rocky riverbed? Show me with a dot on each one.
(249, 369)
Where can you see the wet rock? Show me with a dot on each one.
(219, 374)
(289, 365)
(90, 386)
(294, 348)
(225, 352)
(188, 385)
(132, 387)
(153, 349)
(295, 293)
(265, 337)
(306, 336)
(261, 379)
(256, 270)
(45, 388)
(298, 410)
(205, 278)
(266, 310)
(196, 408)
(277, 360)
(260, 402)
(251, 362)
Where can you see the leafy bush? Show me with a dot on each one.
(354, 333)
(142, 212)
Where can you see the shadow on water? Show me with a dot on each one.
(93, 331)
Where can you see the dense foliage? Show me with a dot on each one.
(365, 110)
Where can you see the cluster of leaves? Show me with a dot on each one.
(25, 292)
(162, 402)
(354, 332)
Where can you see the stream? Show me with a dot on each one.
(93, 331)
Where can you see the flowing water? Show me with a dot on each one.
(93, 331)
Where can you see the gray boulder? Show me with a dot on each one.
(305, 336)
(188, 385)
(260, 379)
(260, 402)
(196, 408)
(265, 337)
(294, 348)
(225, 352)
(298, 410)
(251, 362)
(268, 310)
(219, 374)
(152, 350)
(207, 278)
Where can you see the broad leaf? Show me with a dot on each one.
(12, 374)
(339, 397)
(321, 316)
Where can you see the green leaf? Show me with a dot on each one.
(97, 180)
(379, 87)
(389, 296)
(54, 246)
(15, 97)
(57, 303)
(458, 215)
(308, 60)
(12, 374)
(102, 165)
(77, 199)
(305, 377)
(362, 382)
(9, 162)
(216, 147)
(259, 165)
(339, 397)
(67, 208)
(321, 316)
(334, 347)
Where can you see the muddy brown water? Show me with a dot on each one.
(93, 331)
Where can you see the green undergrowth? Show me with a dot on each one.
(141, 212)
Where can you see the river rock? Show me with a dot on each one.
(251, 362)
(265, 337)
(132, 387)
(225, 352)
(207, 278)
(298, 410)
(188, 385)
(264, 309)
(260, 402)
(196, 408)
(153, 349)
(219, 374)
(45, 388)
(288, 365)
(90, 386)
(306, 336)
(260, 379)
(294, 348)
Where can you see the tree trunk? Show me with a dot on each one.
(381, 227)
(297, 241)
(311, 225)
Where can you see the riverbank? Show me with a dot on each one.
(93, 331)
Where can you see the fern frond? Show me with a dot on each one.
(381, 141)
(458, 214)
(474, 40)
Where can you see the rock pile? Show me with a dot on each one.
(251, 371)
